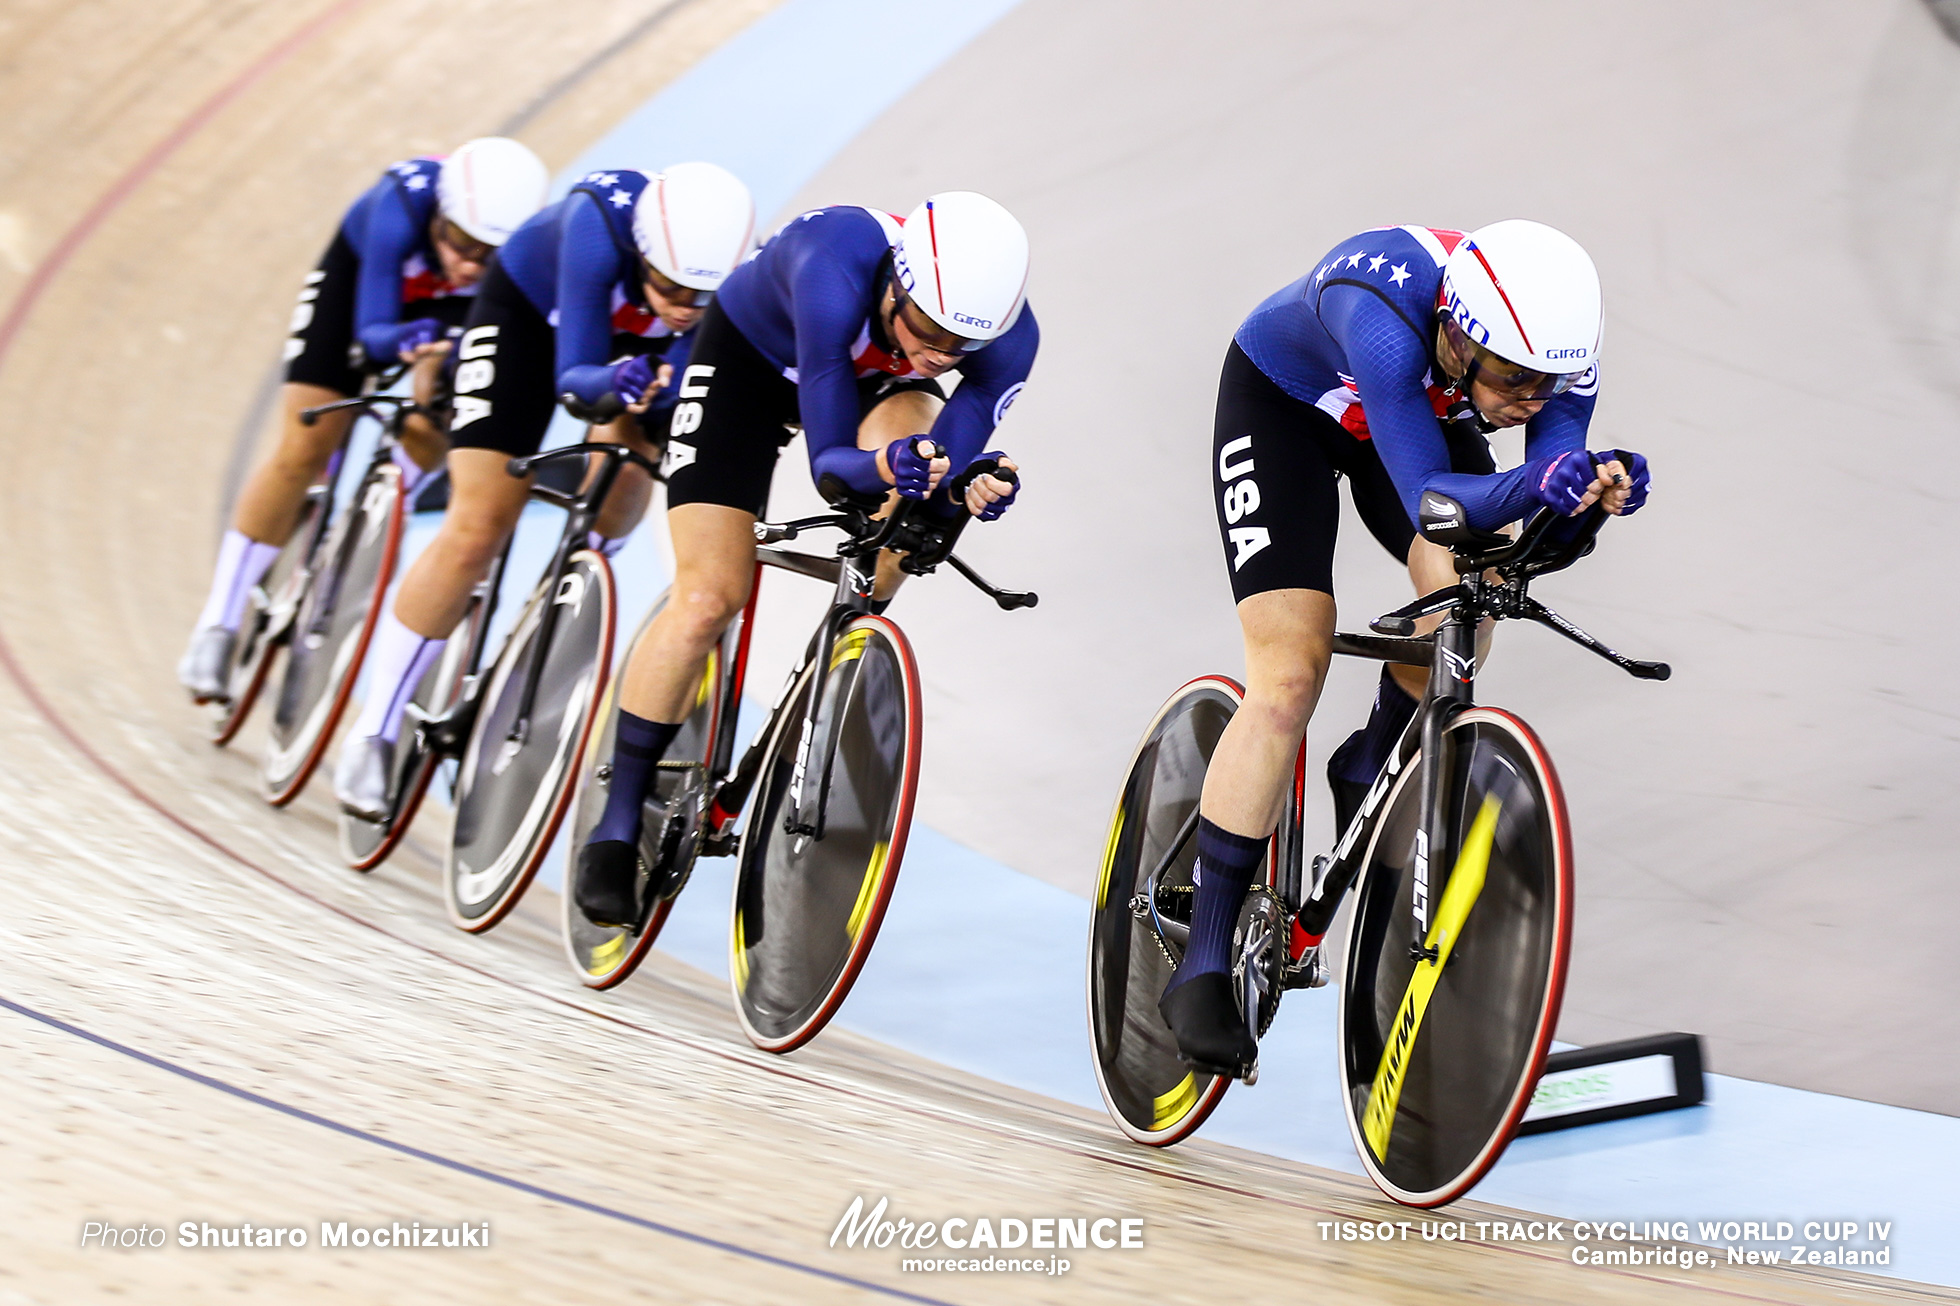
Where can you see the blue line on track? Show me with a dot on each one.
(463, 1167)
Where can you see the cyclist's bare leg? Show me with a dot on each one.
(627, 503)
(424, 441)
(714, 566)
(268, 507)
(909, 412)
(1289, 637)
(270, 501)
(485, 502)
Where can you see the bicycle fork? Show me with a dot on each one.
(809, 786)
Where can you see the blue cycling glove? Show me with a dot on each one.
(632, 378)
(413, 335)
(1000, 505)
(1561, 484)
(1639, 476)
(911, 470)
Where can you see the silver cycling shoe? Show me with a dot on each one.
(360, 779)
(203, 668)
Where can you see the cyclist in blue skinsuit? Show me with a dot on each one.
(1387, 364)
(400, 271)
(840, 324)
(589, 303)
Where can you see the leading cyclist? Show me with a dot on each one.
(841, 323)
(401, 271)
(589, 303)
(1388, 364)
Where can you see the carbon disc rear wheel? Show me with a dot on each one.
(808, 910)
(330, 633)
(1154, 1097)
(671, 823)
(1445, 1025)
(366, 844)
(515, 783)
(267, 622)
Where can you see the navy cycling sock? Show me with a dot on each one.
(1361, 758)
(1226, 863)
(636, 758)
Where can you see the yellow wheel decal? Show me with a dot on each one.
(707, 678)
(1466, 883)
(1109, 858)
(739, 958)
(850, 648)
(1173, 1106)
(606, 955)
(872, 874)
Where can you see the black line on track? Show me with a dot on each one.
(464, 1167)
(625, 41)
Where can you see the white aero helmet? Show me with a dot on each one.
(694, 222)
(963, 259)
(489, 186)
(1528, 295)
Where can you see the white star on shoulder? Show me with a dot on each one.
(1375, 263)
(620, 198)
(1322, 274)
(1354, 260)
(1399, 273)
(604, 179)
(417, 182)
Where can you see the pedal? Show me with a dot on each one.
(720, 843)
(447, 734)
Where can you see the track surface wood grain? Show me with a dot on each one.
(149, 898)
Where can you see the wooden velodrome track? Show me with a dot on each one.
(208, 1019)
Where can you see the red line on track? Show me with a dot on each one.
(23, 306)
(124, 186)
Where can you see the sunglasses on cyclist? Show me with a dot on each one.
(933, 336)
(673, 291)
(1503, 376)
(466, 247)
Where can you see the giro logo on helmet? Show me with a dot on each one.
(965, 320)
(1466, 321)
(1565, 353)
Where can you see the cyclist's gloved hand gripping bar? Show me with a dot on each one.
(910, 459)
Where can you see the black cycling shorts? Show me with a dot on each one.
(506, 371)
(733, 421)
(1276, 465)
(320, 347)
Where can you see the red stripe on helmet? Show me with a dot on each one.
(666, 234)
(1499, 286)
(932, 230)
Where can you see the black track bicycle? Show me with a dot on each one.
(1461, 858)
(319, 601)
(828, 781)
(519, 726)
